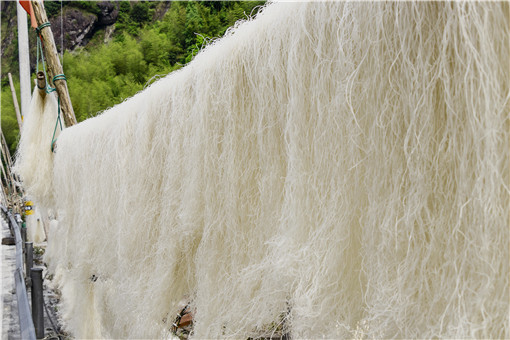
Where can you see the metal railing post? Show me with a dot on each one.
(23, 237)
(29, 261)
(25, 317)
(37, 302)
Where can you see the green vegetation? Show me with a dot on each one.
(9, 122)
(102, 75)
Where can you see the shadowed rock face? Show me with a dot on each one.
(109, 13)
(78, 27)
(74, 28)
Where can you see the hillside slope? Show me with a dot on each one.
(112, 48)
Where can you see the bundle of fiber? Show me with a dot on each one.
(34, 159)
(327, 170)
(35, 228)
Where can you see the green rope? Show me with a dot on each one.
(39, 48)
(49, 89)
(53, 139)
(43, 25)
(57, 77)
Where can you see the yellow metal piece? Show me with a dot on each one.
(28, 208)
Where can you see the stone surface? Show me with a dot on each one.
(109, 13)
(108, 34)
(9, 309)
(10, 328)
(78, 27)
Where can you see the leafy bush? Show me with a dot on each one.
(52, 7)
(101, 76)
(139, 12)
(9, 121)
(89, 6)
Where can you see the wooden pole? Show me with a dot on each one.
(15, 200)
(6, 152)
(41, 84)
(5, 200)
(4, 164)
(4, 175)
(8, 164)
(54, 67)
(15, 100)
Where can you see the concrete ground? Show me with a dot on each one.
(9, 305)
(10, 328)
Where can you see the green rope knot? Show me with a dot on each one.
(43, 25)
(59, 77)
(49, 89)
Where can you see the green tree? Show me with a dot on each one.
(140, 12)
(10, 127)
(104, 75)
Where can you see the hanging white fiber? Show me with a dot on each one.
(35, 228)
(334, 169)
(34, 159)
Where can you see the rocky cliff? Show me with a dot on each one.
(74, 24)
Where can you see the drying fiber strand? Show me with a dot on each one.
(34, 159)
(35, 227)
(327, 169)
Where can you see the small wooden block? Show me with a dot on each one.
(8, 241)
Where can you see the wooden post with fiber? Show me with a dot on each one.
(8, 165)
(7, 188)
(41, 83)
(54, 66)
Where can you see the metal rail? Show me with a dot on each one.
(24, 313)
